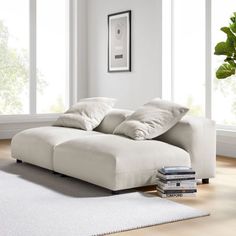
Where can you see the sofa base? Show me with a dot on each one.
(204, 181)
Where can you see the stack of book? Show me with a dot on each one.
(176, 181)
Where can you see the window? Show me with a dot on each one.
(188, 52)
(195, 30)
(14, 57)
(34, 55)
(52, 58)
(224, 91)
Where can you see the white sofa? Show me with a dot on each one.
(116, 162)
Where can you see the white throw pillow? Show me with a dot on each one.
(151, 120)
(112, 120)
(87, 114)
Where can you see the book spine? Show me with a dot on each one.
(174, 182)
(177, 172)
(167, 177)
(176, 195)
(176, 191)
(175, 187)
(180, 191)
(177, 184)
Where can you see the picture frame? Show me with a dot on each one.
(119, 42)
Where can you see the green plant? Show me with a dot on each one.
(228, 49)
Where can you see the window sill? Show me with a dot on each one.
(14, 119)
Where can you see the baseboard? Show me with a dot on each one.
(226, 149)
(225, 144)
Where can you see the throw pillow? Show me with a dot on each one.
(87, 114)
(112, 120)
(151, 120)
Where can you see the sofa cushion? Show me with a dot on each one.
(112, 120)
(87, 114)
(36, 145)
(151, 120)
(116, 162)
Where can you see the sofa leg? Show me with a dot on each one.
(205, 181)
(18, 161)
(115, 192)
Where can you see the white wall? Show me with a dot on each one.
(134, 88)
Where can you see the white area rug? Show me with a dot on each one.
(34, 202)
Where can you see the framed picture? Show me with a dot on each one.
(119, 42)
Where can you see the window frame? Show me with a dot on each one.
(72, 95)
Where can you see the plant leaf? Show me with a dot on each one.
(229, 33)
(224, 48)
(225, 29)
(224, 71)
(230, 60)
(233, 27)
(232, 19)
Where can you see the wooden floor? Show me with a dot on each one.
(218, 198)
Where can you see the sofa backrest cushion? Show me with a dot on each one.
(112, 120)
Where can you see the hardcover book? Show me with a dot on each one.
(176, 194)
(174, 187)
(175, 177)
(176, 170)
(184, 184)
(176, 181)
(177, 191)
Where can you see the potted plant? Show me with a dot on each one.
(227, 49)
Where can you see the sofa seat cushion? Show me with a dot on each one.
(36, 145)
(116, 162)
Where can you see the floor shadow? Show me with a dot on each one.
(64, 185)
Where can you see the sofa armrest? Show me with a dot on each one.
(198, 137)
